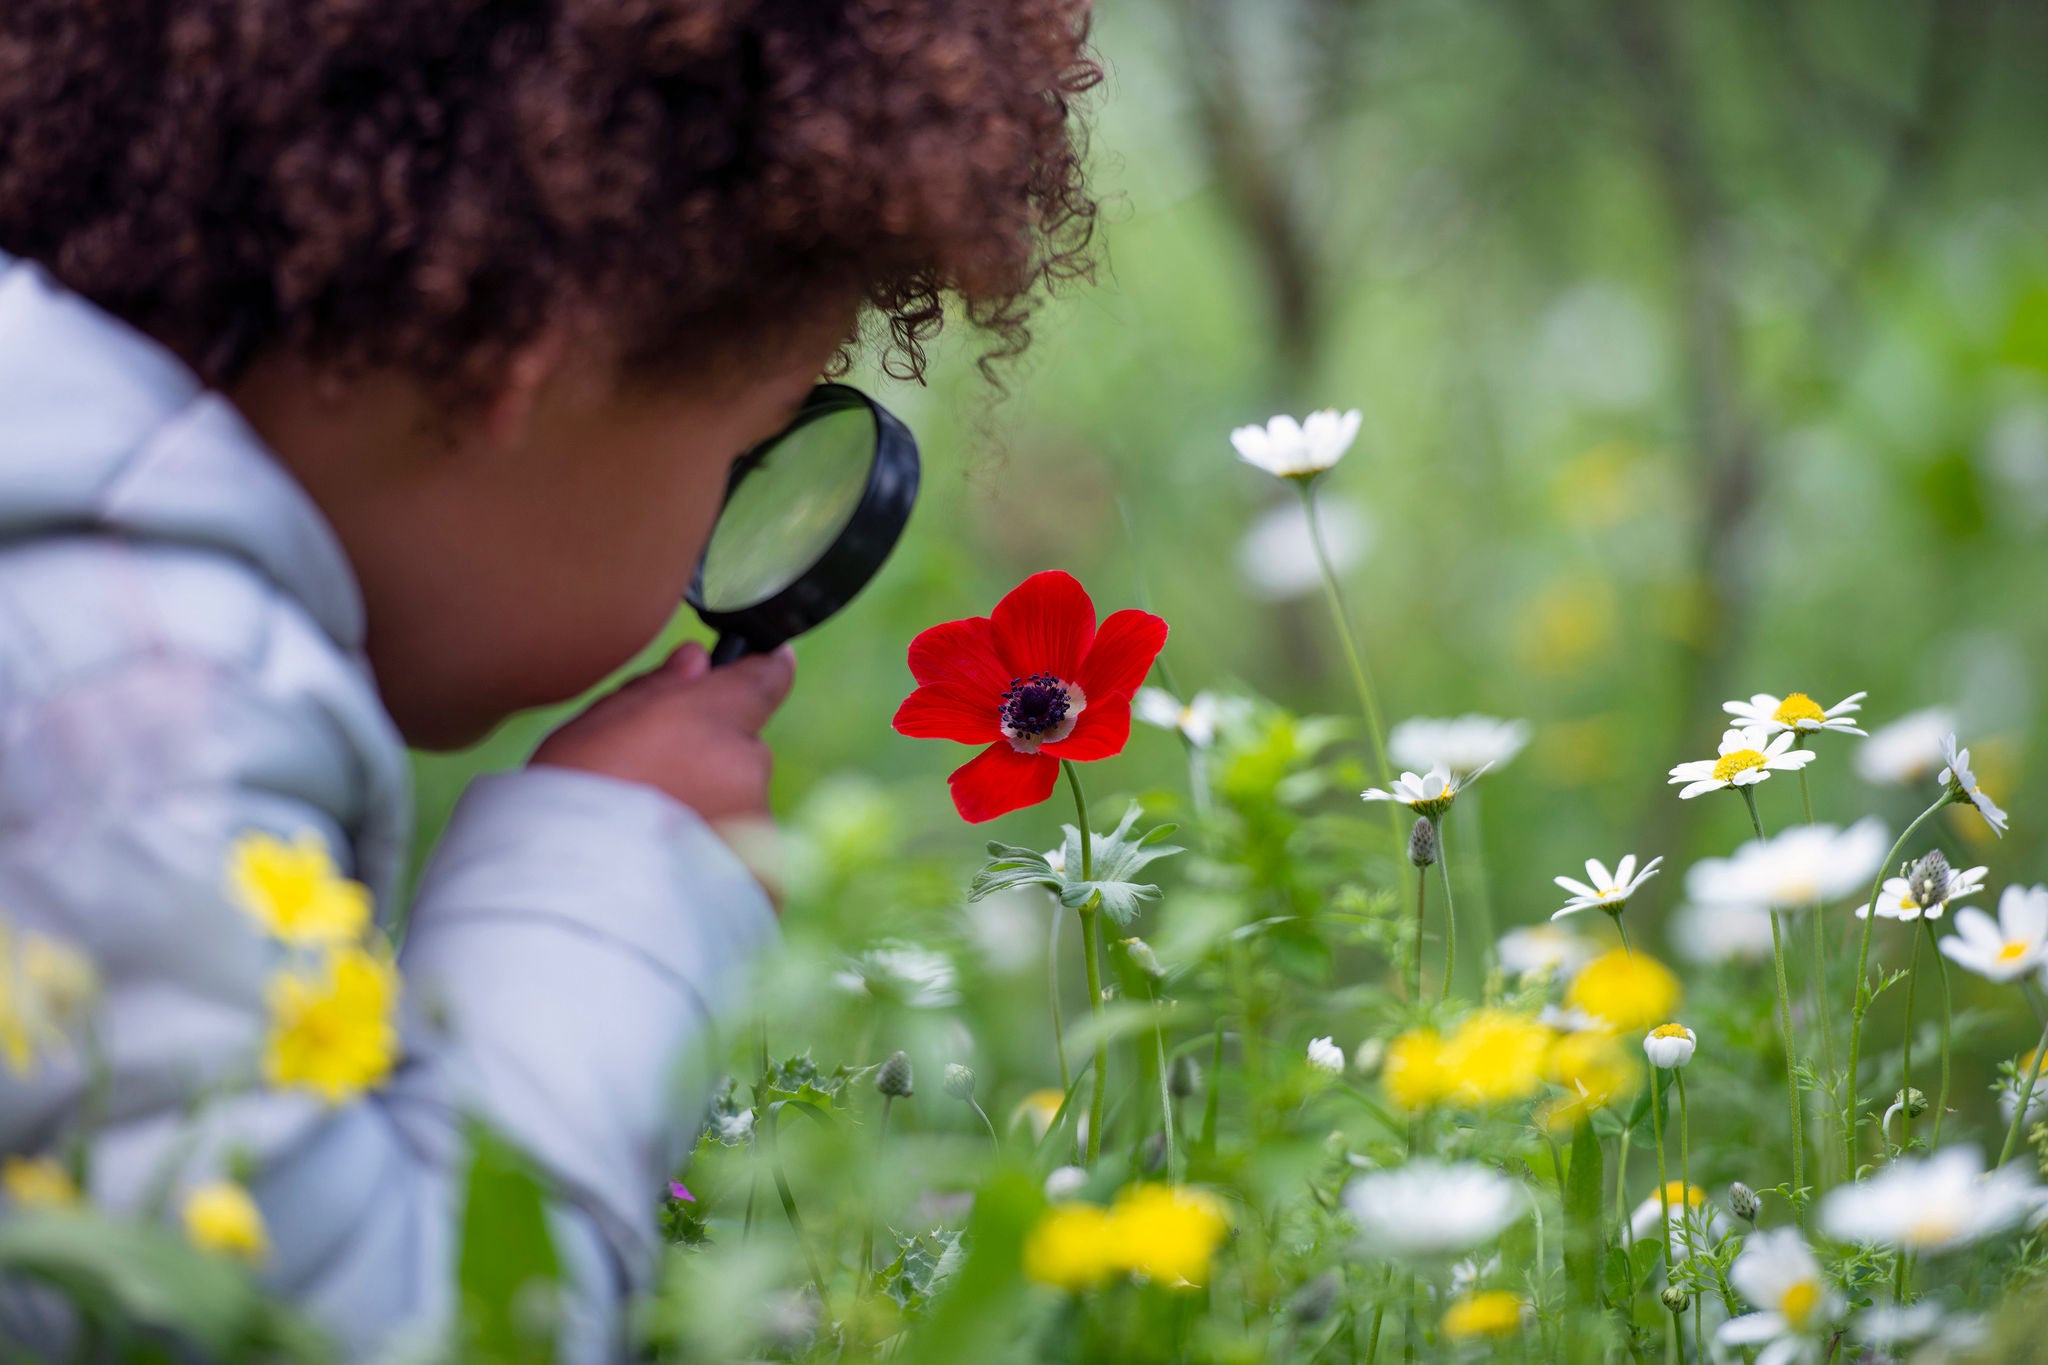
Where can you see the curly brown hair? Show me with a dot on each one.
(425, 184)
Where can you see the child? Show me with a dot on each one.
(370, 370)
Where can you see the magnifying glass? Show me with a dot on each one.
(809, 516)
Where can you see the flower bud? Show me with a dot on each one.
(1675, 1298)
(893, 1079)
(1143, 959)
(1152, 1155)
(1422, 845)
(1913, 1101)
(1184, 1078)
(959, 1081)
(1742, 1201)
(1669, 1046)
(1928, 880)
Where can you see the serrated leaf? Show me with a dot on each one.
(1117, 860)
(922, 1267)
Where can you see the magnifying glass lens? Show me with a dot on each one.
(789, 508)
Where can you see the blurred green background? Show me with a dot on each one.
(1702, 350)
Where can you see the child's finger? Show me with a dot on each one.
(747, 691)
(689, 662)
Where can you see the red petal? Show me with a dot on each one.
(1001, 780)
(962, 653)
(1101, 732)
(1122, 655)
(1044, 626)
(949, 711)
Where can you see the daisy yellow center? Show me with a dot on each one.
(1933, 1229)
(1680, 1194)
(1798, 1302)
(1796, 708)
(1668, 1031)
(2012, 952)
(1741, 761)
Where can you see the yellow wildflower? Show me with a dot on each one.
(1627, 992)
(37, 1182)
(1493, 1313)
(1413, 1072)
(1594, 1070)
(334, 1032)
(1069, 1247)
(1167, 1233)
(294, 890)
(221, 1217)
(1494, 1057)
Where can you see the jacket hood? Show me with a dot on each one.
(102, 429)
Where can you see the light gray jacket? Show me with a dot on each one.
(181, 661)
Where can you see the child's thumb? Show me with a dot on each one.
(748, 691)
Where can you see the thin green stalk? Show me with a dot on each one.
(1784, 1019)
(1353, 655)
(1621, 929)
(867, 1232)
(1211, 1102)
(1443, 866)
(1052, 983)
(1663, 1180)
(1862, 996)
(1684, 1155)
(1165, 1086)
(796, 1222)
(1906, 1056)
(1822, 1012)
(1947, 1014)
(1478, 882)
(2024, 1098)
(1421, 896)
(1626, 1233)
(1091, 939)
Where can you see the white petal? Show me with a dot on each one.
(1577, 888)
(1625, 869)
(1698, 788)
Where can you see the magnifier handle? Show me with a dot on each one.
(730, 648)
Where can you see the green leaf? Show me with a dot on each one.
(799, 1081)
(923, 1266)
(1010, 868)
(1585, 1180)
(508, 1271)
(976, 1318)
(1118, 859)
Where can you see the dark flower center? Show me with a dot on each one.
(1035, 705)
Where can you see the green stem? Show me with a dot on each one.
(796, 1223)
(1421, 897)
(1443, 866)
(1353, 655)
(867, 1232)
(1211, 1102)
(1947, 1014)
(2024, 1098)
(1684, 1156)
(1862, 996)
(1478, 882)
(1052, 983)
(1621, 929)
(1906, 1055)
(1091, 941)
(1663, 1180)
(1626, 1234)
(1784, 1018)
(1165, 1086)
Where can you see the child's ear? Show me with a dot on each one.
(509, 412)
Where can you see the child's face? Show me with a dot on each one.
(554, 539)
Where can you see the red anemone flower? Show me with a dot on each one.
(1035, 681)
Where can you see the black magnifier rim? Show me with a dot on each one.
(853, 559)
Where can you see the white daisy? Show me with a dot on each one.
(1669, 1045)
(1709, 935)
(1542, 948)
(1430, 794)
(1891, 1324)
(1796, 1306)
(1325, 1055)
(1298, 450)
(1935, 1203)
(1748, 756)
(2007, 948)
(1463, 745)
(1197, 720)
(1796, 712)
(1908, 749)
(1962, 784)
(1065, 1182)
(906, 973)
(1278, 560)
(1900, 898)
(1804, 865)
(1602, 890)
(1427, 1208)
(1696, 1223)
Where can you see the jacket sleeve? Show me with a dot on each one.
(570, 945)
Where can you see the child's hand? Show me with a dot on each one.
(687, 729)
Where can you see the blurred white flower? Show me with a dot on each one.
(1430, 794)
(1669, 1045)
(1298, 450)
(2009, 1098)
(1696, 1222)
(1543, 948)
(1708, 935)
(1796, 712)
(1470, 1273)
(1603, 890)
(1427, 1208)
(1277, 559)
(1065, 1182)
(1778, 1275)
(2007, 948)
(1934, 1203)
(1325, 1055)
(1804, 865)
(1197, 720)
(1897, 899)
(1747, 757)
(1964, 784)
(1463, 745)
(921, 978)
(1891, 1324)
(1908, 749)
(1569, 1019)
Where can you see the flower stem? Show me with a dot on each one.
(2024, 1098)
(1165, 1085)
(1784, 1018)
(1663, 1180)
(1862, 996)
(1421, 896)
(1947, 1014)
(1621, 929)
(1684, 1149)
(1052, 985)
(1443, 866)
(1906, 1056)
(1091, 939)
(1353, 655)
